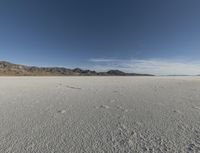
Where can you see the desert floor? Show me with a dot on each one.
(99, 114)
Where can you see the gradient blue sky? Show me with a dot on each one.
(146, 36)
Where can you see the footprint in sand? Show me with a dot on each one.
(102, 107)
(191, 147)
(195, 107)
(61, 111)
(177, 111)
(71, 87)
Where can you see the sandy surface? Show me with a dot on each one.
(99, 114)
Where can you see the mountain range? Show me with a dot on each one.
(10, 69)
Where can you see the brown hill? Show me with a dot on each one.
(10, 69)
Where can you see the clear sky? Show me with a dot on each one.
(145, 36)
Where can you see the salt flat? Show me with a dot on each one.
(99, 114)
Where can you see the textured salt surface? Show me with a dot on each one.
(99, 114)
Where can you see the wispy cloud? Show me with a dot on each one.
(152, 66)
(104, 60)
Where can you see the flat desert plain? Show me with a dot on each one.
(99, 114)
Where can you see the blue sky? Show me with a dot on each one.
(144, 36)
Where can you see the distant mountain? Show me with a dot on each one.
(10, 69)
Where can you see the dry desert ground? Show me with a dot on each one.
(99, 114)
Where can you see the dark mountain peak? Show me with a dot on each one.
(78, 70)
(115, 72)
